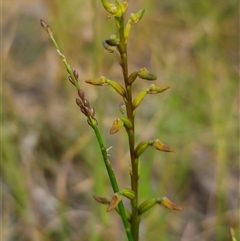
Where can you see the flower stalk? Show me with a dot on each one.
(117, 45)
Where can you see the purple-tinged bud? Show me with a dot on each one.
(76, 74)
(46, 27)
(71, 80)
(78, 102)
(86, 103)
(81, 94)
(92, 112)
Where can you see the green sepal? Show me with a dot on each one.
(153, 89)
(127, 122)
(144, 74)
(113, 40)
(141, 148)
(101, 81)
(128, 193)
(139, 98)
(136, 17)
(109, 48)
(117, 87)
(146, 205)
(132, 77)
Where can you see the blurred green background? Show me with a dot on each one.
(51, 164)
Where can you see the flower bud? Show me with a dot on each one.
(100, 81)
(153, 89)
(141, 148)
(128, 193)
(136, 17)
(127, 123)
(132, 77)
(108, 6)
(78, 102)
(76, 74)
(107, 47)
(146, 205)
(144, 74)
(113, 40)
(127, 31)
(139, 99)
(165, 202)
(46, 27)
(117, 87)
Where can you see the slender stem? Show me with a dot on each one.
(98, 136)
(131, 133)
(113, 180)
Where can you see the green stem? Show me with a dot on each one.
(135, 219)
(101, 145)
(112, 179)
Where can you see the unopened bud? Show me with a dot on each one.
(153, 89)
(139, 99)
(100, 81)
(127, 31)
(107, 47)
(141, 148)
(78, 102)
(71, 80)
(81, 94)
(127, 123)
(113, 40)
(76, 75)
(108, 6)
(132, 77)
(128, 193)
(144, 74)
(117, 87)
(146, 205)
(46, 27)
